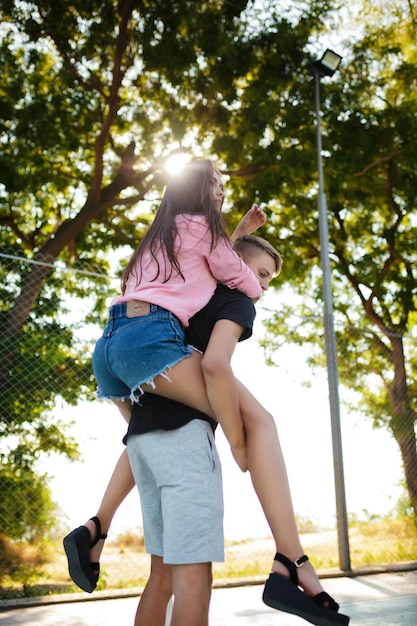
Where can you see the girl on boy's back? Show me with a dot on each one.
(171, 276)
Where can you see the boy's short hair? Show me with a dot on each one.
(250, 245)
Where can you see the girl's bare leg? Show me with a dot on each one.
(184, 383)
(270, 480)
(265, 460)
(119, 486)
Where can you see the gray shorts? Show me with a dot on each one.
(179, 477)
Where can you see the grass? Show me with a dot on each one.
(125, 563)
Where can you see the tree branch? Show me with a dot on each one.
(112, 103)
(377, 162)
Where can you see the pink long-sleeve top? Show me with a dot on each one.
(201, 267)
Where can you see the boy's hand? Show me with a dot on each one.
(254, 219)
(240, 456)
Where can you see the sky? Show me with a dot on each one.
(372, 463)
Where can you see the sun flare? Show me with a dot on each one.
(176, 162)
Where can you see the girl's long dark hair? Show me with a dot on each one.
(189, 191)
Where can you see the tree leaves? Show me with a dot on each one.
(94, 98)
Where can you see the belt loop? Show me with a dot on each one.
(154, 307)
(117, 310)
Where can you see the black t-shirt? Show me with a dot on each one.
(226, 304)
(155, 412)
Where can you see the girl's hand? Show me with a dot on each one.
(251, 221)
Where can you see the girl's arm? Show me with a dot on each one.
(251, 221)
(227, 268)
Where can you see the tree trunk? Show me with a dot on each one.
(32, 285)
(69, 230)
(403, 419)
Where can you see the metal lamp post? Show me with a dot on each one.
(327, 66)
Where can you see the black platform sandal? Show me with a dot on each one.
(285, 595)
(77, 546)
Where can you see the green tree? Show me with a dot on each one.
(370, 138)
(94, 98)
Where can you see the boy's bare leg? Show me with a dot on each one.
(270, 480)
(191, 586)
(154, 600)
(119, 486)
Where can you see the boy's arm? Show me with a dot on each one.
(221, 388)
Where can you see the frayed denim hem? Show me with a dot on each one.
(137, 392)
(151, 381)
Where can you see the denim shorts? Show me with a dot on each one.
(179, 477)
(135, 350)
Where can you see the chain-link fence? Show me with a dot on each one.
(48, 406)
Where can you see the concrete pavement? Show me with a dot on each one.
(384, 599)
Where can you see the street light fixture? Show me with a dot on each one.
(327, 66)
